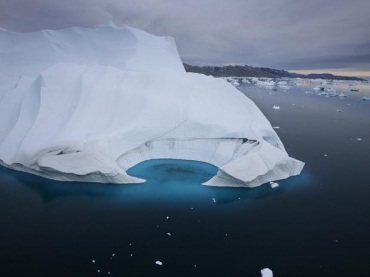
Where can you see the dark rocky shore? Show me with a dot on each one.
(250, 71)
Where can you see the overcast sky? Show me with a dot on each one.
(285, 34)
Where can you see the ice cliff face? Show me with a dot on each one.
(87, 104)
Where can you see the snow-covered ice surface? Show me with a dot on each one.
(88, 104)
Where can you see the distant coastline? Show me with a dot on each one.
(251, 71)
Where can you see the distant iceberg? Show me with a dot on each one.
(87, 104)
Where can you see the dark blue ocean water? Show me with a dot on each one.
(315, 224)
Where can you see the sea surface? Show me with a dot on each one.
(315, 224)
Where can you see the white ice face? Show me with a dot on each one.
(87, 104)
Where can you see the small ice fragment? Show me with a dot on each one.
(108, 272)
(366, 99)
(276, 127)
(167, 217)
(113, 255)
(325, 155)
(308, 92)
(93, 261)
(336, 240)
(266, 272)
(323, 93)
(169, 234)
(359, 139)
(331, 90)
(158, 262)
(195, 265)
(274, 185)
(276, 107)
(342, 95)
(98, 270)
(339, 111)
(214, 200)
(131, 255)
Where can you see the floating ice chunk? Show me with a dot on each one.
(276, 107)
(366, 99)
(93, 261)
(330, 89)
(339, 111)
(308, 92)
(158, 262)
(317, 88)
(233, 81)
(214, 200)
(265, 83)
(167, 217)
(342, 95)
(323, 93)
(276, 127)
(274, 185)
(168, 234)
(359, 139)
(266, 272)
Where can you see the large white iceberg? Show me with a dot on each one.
(87, 104)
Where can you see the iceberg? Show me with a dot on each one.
(86, 105)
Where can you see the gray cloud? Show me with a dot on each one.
(289, 34)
